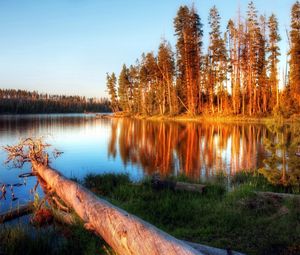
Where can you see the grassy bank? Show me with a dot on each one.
(55, 239)
(231, 216)
(240, 219)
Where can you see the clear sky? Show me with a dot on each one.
(67, 46)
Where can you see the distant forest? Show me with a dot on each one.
(21, 101)
(237, 74)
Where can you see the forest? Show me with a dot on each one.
(238, 73)
(20, 101)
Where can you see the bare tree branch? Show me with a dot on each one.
(29, 149)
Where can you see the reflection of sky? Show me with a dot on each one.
(145, 147)
(84, 142)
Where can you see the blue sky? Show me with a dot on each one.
(67, 46)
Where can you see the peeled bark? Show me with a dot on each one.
(125, 233)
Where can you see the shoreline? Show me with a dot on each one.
(208, 118)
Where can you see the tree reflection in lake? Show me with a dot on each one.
(205, 149)
(283, 165)
(192, 149)
(198, 150)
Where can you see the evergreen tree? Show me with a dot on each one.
(166, 67)
(188, 30)
(295, 53)
(111, 82)
(150, 77)
(124, 89)
(252, 54)
(263, 91)
(273, 60)
(134, 81)
(234, 48)
(218, 58)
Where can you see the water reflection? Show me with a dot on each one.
(78, 135)
(140, 147)
(192, 149)
(282, 166)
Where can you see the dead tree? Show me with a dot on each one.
(125, 233)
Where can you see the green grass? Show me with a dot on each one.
(239, 219)
(232, 217)
(51, 240)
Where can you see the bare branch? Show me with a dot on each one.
(27, 150)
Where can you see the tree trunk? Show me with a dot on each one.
(125, 233)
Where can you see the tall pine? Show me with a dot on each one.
(188, 29)
(218, 59)
(111, 82)
(273, 60)
(295, 54)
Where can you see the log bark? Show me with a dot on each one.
(173, 185)
(189, 187)
(125, 233)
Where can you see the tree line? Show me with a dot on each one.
(21, 101)
(237, 74)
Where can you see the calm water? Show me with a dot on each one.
(135, 147)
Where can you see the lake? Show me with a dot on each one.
(136, 147)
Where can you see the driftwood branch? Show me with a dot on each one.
(28, 150)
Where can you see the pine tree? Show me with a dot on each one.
(234, 48)
(188, 30)
(273, 60)
(111, 82)
(133, 75)
(218, 58)
(124, 89)
(295, 53)
(263, 92)
(166, 66)
(149, 78)
(255, 50)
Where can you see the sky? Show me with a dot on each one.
(68, 46)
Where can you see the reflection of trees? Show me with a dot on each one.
(193, 149)
(282, 166)
(112, 150)
(147, 144)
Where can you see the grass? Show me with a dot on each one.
(237, 218)
(240, 219)
(51, 240)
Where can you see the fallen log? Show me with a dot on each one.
(125, 233)
(189, 187)
(174, 185)
(17, 212)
